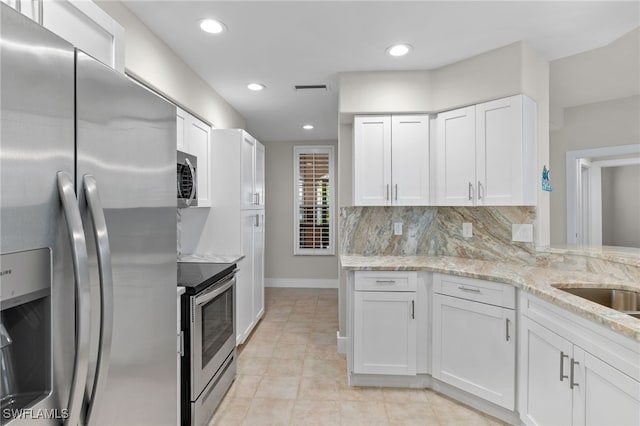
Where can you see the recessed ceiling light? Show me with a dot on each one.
(256, 87)
(308, 127)
(212, 26)
(399, 49)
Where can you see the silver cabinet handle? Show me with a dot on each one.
(469, 289)
(256, 198)
(195, 182)
(103, 251)
(83, 295)
(480, 189)
(385, 281)
(257, 221)
(396, 192)
(470, 191)
(413, 309)
(572, 383)
(508, 336)
(387, 192)
(562, 357)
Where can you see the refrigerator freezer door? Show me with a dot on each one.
(36, 142)
(126, 141)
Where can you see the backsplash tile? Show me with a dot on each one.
(369, 231)
(435, 231)
(491, 233)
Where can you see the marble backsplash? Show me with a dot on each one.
(437, 231)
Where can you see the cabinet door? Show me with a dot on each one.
(384, 340)
(456, 157)
(199, 141)
(603, 395)
(474, 348)
(372, 160)
(85, 25)
(545, 397)
(499, 152)
(244, 282)
(259, 175)
(181, 126)
(258, 265)
(248, 150)
(410, 160)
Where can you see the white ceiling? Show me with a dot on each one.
(284, 43)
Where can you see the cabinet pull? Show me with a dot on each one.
(480, 189)
(472, 290)
(387, 192)
(385, 281)
(256, 199)
(507, 331)
(396, 192)
(470, 191)
(257, 222)
(413, 309)
(562, 357)
(572, 383)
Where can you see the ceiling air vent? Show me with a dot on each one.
(322, 87)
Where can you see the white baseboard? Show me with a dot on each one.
(300, 283)
(341, 343)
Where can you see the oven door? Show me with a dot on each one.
(212, 331)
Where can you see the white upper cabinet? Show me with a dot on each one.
(391, 160)
(82, 23)
(486, 154)
(456, 157)
(252, 163)
(194, 137)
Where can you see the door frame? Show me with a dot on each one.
(575, 165)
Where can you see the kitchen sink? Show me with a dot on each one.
(626, 301)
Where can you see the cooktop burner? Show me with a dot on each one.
(198, 276)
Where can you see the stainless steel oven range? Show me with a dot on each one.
(209, 343)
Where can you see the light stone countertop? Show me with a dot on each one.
(625, 255)
(535, 280)
(210, 258)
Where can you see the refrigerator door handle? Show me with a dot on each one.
(103, 251)
(83, 295)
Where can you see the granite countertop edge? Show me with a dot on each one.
(538, 281)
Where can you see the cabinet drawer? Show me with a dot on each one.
(385, 281)
(477, 290)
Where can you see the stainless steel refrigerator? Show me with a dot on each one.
(88, 238)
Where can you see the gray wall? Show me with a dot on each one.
(280, 263)
(595, 101)
(596, 125)
(621, 206)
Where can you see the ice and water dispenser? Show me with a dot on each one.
(25, 329)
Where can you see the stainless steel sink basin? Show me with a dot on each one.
(626, 301)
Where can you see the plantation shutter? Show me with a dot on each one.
(314, 200)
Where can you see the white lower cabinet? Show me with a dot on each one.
(384, 333)
(563, 384)
(474, 343)
(384, 323)
(250, 281)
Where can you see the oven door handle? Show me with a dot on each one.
(207, 297)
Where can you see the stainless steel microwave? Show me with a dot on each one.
(187, 179)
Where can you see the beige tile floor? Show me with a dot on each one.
(289, 373)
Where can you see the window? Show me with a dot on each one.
(313, 200)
